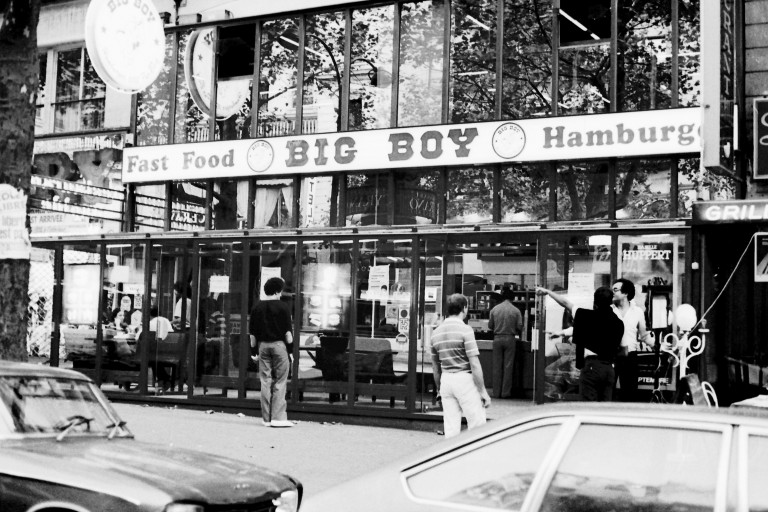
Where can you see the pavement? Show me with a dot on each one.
(318, 453)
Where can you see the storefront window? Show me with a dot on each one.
(317, 200)
(473, 61)
(191, 121)
(415, 197)
(525, 193)
(40, 318)
(368, 199)
(323, 70)
(41, 113)
(273, 204)
(230, 204)
(150, 208)
(277, 82)
(689, 54)
(370, 94)
(582, 191)
(644, 55)
(585, 79)
(153, 104)
(527, 59)
(470, 196)
(326, 293)
(643, 189)
(421, 63)
(189, 206)
(696, 183)
(234, 82)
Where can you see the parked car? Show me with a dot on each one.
(63, 448)
(578, 457)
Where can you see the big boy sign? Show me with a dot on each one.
(558, 138)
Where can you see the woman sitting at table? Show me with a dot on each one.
(121, 317)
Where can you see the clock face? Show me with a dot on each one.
(260, 156)
(508, 140)
(126, 42)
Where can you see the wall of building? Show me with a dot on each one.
(756, 74)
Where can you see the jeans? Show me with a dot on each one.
(503, 364)
(273, 373)
(460, 395)
(597, 378)
(626, 373)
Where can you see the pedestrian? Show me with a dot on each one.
(456, 369)
(597, 335)
(506, 322)
(634, 333)
(272, 327)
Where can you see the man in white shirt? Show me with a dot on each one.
(635, 332)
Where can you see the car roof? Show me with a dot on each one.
(698, 415)
(19, 369)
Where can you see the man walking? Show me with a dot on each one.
(597, 335)
(456, 369)
(272, 327)
(506, 322)
(634, 331)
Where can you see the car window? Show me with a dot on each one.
(634, 469)
(496, 475)
(757, 470)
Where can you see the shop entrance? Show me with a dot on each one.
(481, 267)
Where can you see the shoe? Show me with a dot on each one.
(266, 423)
(282, 423)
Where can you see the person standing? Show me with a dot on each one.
(634, 332)
(597, 334)
(272, 326)
(456, 369)
(506, 322)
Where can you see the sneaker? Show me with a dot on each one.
(282, 423)
(266, 423)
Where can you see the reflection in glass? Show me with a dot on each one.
(323, 69)
(696, 183)
(150, 208)
(527, 59)
(525, 193)
(689, 56)
(277, 82)
(582, 190)
(154, 102)
(421, 63)
(644, 55)
(189, 206)
(585, 79)
(370, 95)
(643, 188)
(273, 204)
(41, 123)
(473, 61)
(191, 123)
(235, 81)
(316, 201)
(368, 199)
(80, 93)
(229, 204)
(415, 197)
(470, 196)
(40, 308)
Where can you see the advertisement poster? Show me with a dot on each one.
(14, 238)
(761, 257)
(378, 283)
(648, 261)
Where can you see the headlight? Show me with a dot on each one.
(184, 507)
(287, 502)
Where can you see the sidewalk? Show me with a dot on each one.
(319, 453)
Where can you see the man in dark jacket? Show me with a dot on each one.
(597, 335)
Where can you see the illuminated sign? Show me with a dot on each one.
(760, 119)
(722, 212)
(626, 134)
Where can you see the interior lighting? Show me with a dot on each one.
(579, 25)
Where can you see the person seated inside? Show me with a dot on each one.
(181, 290)
(121, 316)
(157, 324)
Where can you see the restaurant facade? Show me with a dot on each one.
(378, 156)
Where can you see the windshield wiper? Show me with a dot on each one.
(73, 421)
(115, 427)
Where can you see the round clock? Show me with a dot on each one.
(260, 156)
(126, 42)
(508, 140)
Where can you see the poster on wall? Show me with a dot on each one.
(378, 283)
(80, 300)
(761, 257)
(649, 261)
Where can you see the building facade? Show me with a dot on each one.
(379, 156)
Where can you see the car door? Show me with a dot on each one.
(638, 465)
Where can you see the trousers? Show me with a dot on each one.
(596, 381)
(460, 396)
(273, 374)
(504, 346)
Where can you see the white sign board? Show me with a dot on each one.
(625, 134)
(378, 283)
(761, 257)
(219, 284)
(14, 237)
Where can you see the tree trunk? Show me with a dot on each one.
(18, 92)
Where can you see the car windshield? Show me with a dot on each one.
(35, 405)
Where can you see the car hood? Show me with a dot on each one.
(140, 472)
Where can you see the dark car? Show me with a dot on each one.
(579, 457)
(63, 448)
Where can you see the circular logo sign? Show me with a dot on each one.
(508, 140)
(126, 42)
(260, 156)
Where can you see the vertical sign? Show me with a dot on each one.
(760, 160)
(761, 257)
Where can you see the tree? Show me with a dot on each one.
(18, 91)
